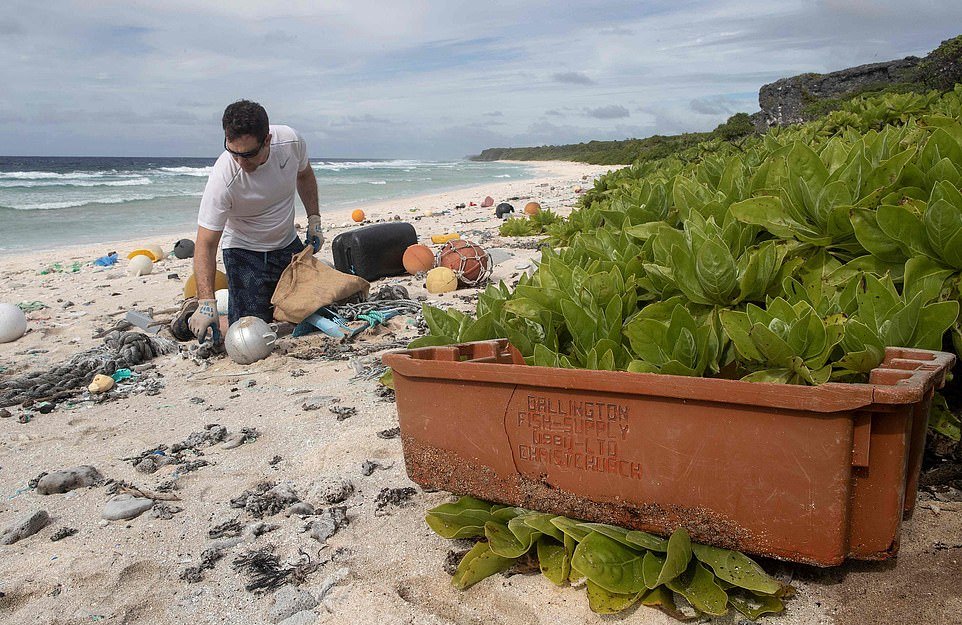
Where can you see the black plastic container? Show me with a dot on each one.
(373, 251)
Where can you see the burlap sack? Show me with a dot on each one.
(307, 284)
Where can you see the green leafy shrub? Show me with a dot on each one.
(620, 567)
(797, 258)
(529, 226)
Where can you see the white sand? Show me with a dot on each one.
(128, 572)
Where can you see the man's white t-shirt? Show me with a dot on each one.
(256, 211)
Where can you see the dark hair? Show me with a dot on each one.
(245, 118)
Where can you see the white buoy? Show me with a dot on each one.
(222, 297)
(140, 265)
(13, 323)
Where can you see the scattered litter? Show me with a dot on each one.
(120, 350)
(106, 261)
(31, 306)
(122, 374)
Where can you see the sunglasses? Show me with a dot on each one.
(247, 154)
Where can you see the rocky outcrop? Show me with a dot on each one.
(790, 100)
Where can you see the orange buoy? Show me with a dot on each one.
(532, 208)
(357, 215)
(417, 258)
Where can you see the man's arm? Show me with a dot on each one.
(205, 261)
(307, 190)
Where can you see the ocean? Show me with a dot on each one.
(47, 202)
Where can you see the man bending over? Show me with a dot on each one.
(248, 207)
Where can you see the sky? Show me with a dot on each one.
(419, 79)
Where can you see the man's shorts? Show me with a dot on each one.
(252, 278)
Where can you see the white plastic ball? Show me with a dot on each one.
(13, 323)
(221, 295)
(140, 265)
(157, 250)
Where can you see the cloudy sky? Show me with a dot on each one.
(419, 79)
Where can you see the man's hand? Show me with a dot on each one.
(315, 232)
(204, 318)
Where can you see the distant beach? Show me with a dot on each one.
(50, 202)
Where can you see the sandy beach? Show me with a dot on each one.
(318, 427)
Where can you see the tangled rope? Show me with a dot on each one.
(121, 350)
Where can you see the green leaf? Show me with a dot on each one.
(677, 558)
(554, 560)
(698, 586)
(736, 568)
(715, 269)
(512, 540)
(766, 211)
(464, 518)
(662, 599)
(542, 522)
(602, 601)
(647, 541)
(753, 606)
(609, 564)
(737, 326)
(477, 564)
(440, 322)
(431, 340)
(570, 528)
(651, 568)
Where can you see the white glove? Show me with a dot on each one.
(315, 232)
(204, 318)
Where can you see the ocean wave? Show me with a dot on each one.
(69, 182)
(185, 171)
(395, 164)
(377, 181)
(503, 176)
(102, 200)
(52, 175)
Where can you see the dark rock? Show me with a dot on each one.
(62, 533)
(785, 101)
(64, 481)
(5, 414)
(392, 497)
(124, 507)
(229, 528)
(327, 522)
(389, 433)
(370, 466)
(265, 499)
(319, 401)
(25, 526)
(164, 512)
(288, 601)
(343, 412)
(330, 490)
(301, 508)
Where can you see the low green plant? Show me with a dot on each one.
(619, 567)
(529, 226)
